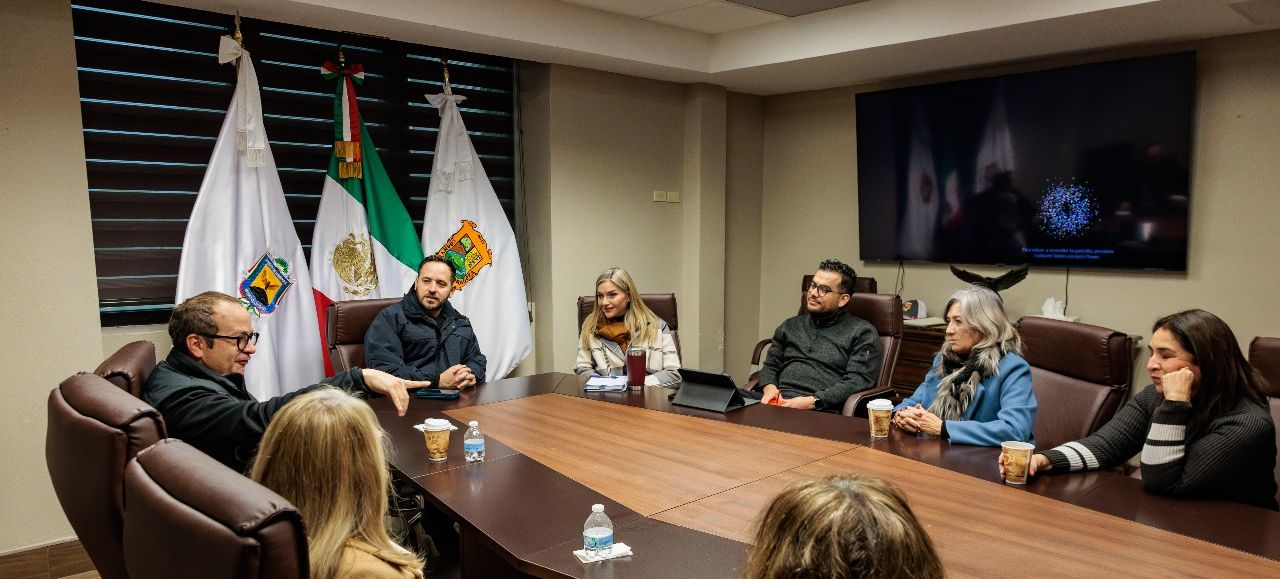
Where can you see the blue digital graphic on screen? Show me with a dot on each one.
(1067, 208)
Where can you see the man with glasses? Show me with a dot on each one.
(199, 388)
(822, 356)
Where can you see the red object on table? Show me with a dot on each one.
(635, 367)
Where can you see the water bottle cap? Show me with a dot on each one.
(597, 508)
(473, 424)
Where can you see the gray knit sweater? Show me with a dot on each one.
(1232, 458)
(829, 358)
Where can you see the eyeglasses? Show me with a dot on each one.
(821, 290)
(242, 341)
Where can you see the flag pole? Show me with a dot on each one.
(238, 37)
(448, 89)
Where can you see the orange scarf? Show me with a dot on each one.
(615, 332)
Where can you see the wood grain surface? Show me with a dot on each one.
(648, 461)
(983, 529)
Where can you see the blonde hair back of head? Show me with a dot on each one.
(641, 322)
(841, 527)
(324, 452)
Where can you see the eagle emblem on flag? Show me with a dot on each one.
(265, 285)
(353, 262)
(468, 252)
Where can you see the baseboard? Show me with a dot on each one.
(46, 562)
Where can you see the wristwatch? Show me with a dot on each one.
(817, 403)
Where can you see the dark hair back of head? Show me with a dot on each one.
(195, 316)
(841, 526)
(1225, 374)
(848, 277)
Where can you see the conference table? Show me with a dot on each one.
(684, 486)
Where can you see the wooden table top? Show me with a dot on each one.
(687, 485)
(647, 460)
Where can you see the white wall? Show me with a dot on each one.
(608, 141)
(810, 207)
(50, 300)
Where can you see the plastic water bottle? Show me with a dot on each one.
(597, 533)
(473, 442)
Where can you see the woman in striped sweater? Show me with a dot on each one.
(1202, 427)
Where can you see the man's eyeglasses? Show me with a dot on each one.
(242, 341)
(821, 290)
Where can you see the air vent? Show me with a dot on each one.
(801, 7)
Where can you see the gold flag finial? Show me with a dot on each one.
(448, 89)
(342, 58)
(238, 37)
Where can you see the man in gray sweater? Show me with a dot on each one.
(822, 356)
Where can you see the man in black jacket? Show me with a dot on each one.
(199, 388)
(425, 338)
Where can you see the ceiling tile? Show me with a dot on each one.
(716, 17)
(637, 8)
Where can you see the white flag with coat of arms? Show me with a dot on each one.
(241, 241)
(465, 224)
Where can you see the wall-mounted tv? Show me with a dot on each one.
(1085, 166)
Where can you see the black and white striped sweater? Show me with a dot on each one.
(1234, 458)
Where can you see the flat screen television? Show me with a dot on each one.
(1084, 166)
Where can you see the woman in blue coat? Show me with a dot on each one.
(979, 388)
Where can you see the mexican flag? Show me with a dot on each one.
(466, 225)
(241, 241)
(364, 246)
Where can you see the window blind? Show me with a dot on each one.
(153, 96)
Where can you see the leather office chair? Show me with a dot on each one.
(345, 325)
(1264, 354)
(130, 366)
(663, 305)
(885, 314)
(94, 429)
(1080, 373)
(190, 516)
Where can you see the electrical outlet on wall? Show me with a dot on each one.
(673, 196)
(659, 196)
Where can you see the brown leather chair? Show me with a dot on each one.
(130, 366)
(190, 516)
(1264, 354)
(94, 429)
(1080, 373)
(345, 325)
(663, 305)
(884, 311)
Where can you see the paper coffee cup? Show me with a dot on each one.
(1017, 457)
(879, 413)
(436, 432)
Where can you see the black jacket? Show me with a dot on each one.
(404, 341)
(216, 414)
